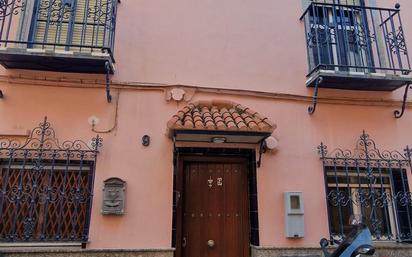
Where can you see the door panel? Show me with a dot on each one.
(215, 211)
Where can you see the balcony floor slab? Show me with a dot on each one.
(57, 60)
(358, 80)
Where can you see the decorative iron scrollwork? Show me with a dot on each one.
(357, 35)
(396, 41)
(42, 143)
(404, 198)
(56, 11)
(10, 7)
(319, 36)
(398, 114)
(338, 198)
(103, 13)
(365, 152)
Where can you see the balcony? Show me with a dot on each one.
(355, 47)
(58, 35)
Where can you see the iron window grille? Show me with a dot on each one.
(46, 187)
(347, 35)
(72, 25)
(370, 182)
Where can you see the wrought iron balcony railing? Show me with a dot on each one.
(58, 35)
(354, 46)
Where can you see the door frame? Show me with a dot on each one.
(248, 157)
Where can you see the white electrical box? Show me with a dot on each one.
(294, 215)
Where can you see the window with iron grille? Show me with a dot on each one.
(46, 188)
(71, 25)
(349, 35)
(372, 183)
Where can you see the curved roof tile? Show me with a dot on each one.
(219, 115)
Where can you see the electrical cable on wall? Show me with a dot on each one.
(115, 118)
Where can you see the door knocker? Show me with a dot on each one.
(210, 181)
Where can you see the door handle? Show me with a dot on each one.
(211, 243)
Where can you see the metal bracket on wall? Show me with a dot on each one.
(397, 113)
(312, 108)
(262, 150)
(108, 95)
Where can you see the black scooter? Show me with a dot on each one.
(358, 241)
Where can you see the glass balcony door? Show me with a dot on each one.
(339, 39)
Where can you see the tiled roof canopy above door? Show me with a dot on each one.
(204, 121)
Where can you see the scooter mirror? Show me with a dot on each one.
(324, 243)
(365, 250)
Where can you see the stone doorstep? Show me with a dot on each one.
(42, 252)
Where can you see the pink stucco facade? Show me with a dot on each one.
(247, 52)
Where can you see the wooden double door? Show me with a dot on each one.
(214, 211)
